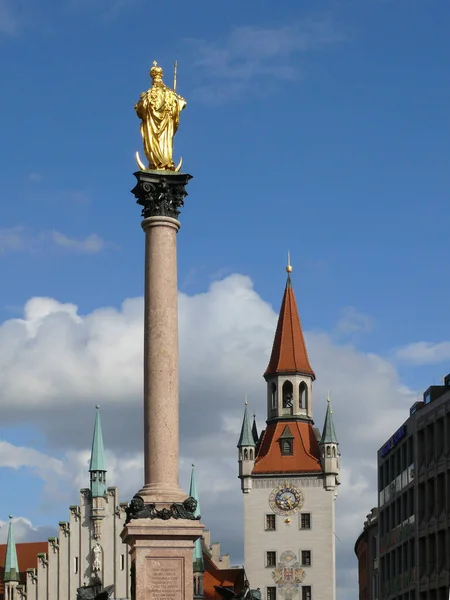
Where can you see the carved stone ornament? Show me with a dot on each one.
(178, 510)
(161, 194)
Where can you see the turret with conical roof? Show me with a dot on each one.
(11, 572)
(97, 469)
(199, 567)
(289, 374)
(329, 450)
(246, 452)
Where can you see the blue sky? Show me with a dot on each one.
(316, 127)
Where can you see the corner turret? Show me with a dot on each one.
(97, 470)
(246, 453)
(329, 450)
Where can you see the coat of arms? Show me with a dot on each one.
(288, 575)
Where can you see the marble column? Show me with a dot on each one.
(161, 527)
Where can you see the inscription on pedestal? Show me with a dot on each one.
(166, 579)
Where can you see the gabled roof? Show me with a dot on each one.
(329, 434)
(306, 453)
(246, 437)
(289, 353)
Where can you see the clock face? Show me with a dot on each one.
(286, 500)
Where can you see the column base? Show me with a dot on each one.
(162, 495)
(161, 558)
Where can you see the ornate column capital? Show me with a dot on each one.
(160, 193)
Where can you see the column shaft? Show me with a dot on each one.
(161, 355)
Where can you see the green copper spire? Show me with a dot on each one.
(98, 463)
(246, 437)
(198, 552)
(11, 565)
(329, 434)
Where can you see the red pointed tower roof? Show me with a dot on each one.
(289, 353)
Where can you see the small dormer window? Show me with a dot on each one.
(286, 448)
(286, 442)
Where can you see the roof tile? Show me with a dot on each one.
(306, 453)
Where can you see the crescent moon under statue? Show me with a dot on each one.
(142, 167)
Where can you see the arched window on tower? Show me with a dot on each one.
(288, 395)
(328, 451)
(334, 451)
(245, 454)
(303, 395)
(251, 454)
(273, 395)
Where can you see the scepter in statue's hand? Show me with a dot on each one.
(175, 66)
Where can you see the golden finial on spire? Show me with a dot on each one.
(246, 400)
(289, 268)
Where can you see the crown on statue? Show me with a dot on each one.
(156, 70)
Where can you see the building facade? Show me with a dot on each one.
(366, 550)
(289, 477)
(414, 502)
(89, 549)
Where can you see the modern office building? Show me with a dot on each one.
(414, 502)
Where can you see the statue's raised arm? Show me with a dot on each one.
(159, 109)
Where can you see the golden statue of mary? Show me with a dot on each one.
(159, 109)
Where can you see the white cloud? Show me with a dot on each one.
(352, 321)
(8, 20)
(34, 176)
(89, 245)
(55, 363)
(251, 53)
(424, 353)
(12, 239)
(25, 531)
(23, 239)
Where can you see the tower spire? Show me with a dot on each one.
(246, 437)
(11, 572)
(329, 433)
(97, 466)
(289, 353)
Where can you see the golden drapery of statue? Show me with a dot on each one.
(159, 109)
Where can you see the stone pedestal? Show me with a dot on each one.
(161, 554)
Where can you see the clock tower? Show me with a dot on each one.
(289, 476)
